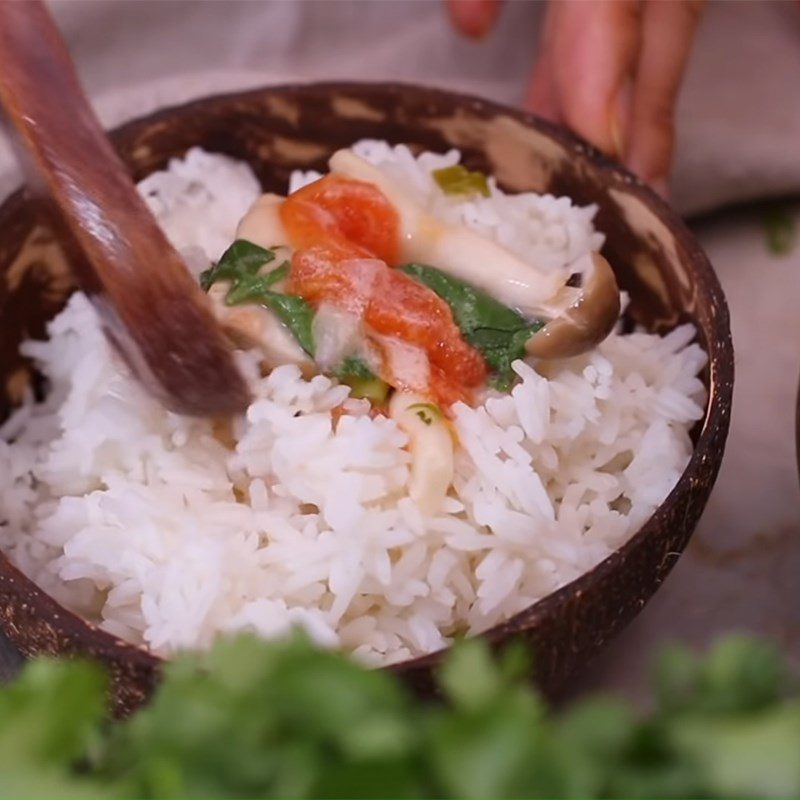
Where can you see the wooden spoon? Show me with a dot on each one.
(152, 309)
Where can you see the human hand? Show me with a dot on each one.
(610, 70)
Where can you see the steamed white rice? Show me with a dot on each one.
(148, 523)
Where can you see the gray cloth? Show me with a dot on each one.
(739, 115)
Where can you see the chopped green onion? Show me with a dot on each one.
(363, 383)
(427, 412)
(459, 181)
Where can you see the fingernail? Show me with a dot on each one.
(474, 18)
(617, 138)
(619, 119)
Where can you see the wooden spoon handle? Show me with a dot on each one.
(151, 307)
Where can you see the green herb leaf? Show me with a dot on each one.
(499, 332)
(595, 735)
(739, 675)
(52, 713)
(353, 367)
(458, 180)
(241, 260)
(470, 677)
(284, 719)
(295, 313)
(241, 264)
(250, 288)
(781, 230)
(256, 719)
(750, 755)
(51, 720)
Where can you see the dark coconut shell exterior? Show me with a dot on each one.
(279, 129)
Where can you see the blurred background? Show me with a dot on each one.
(736, 177)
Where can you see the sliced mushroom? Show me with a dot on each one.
(455, 249)
(431, 448)
(580, 318)
(262, 224)
(252, 326)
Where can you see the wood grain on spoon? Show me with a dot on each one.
(151, 307)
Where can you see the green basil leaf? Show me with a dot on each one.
(295, 313)
(250, 288)
(241, 260)
(353, 367)
(240, 264)
(497, 331)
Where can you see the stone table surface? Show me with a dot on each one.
(741, 570)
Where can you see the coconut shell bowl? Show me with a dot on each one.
(279, 129)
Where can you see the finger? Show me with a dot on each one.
(589, 60)
(668, 29)
(541, 96)
(474, 18)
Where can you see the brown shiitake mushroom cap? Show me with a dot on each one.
(587, 314)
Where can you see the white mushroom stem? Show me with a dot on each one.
(455, 249)
(253, 326)
(431, 448)
(262, 224)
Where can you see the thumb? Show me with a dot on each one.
(583, 74)
(473, 18)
